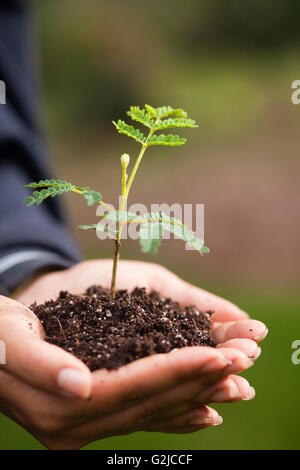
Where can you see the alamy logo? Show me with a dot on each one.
(2, 352)
(295, 96)
(296, 354)
(167, 219)
(2, 92)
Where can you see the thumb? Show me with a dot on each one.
(31, 359)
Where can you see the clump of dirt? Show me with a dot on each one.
(106, 333)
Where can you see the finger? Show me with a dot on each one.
(231, 389)
(10, 309)
(156, 407)
(172, 286)
(251, 329)
(188, 395)
(239, 361)
(152, 410)
(247, 346)
(246, 390)
(130, 386)
(185, 429)
(148, 376)
(41, 364)
(200, 417)
(106, 397)
(125, 422)
(189, 392)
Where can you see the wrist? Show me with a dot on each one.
(20, 267)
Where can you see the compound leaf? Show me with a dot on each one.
(121, 216)
(50, 188)
(29, 201)
(174, 122)
(150, 237)
(141, 116)
(99, 227)
(92, 197)
(46, 183)
(172, 225)
(88, 227)
(130, 131)
(168, 139)
(151, 111)
(166, 111)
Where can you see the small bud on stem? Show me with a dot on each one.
(125, 159)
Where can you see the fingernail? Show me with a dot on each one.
(258, 352)
(199, 421)
(229, 393)
(73, 383)
(250, 395)
(216, 364)
(219, 422)
(240, 365)
(244, 313)
(261, 337)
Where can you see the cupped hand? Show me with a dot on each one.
(130, 274)
(166, 392)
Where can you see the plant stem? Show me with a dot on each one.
(115, 266)
(119, 231)
(125, 194)
(135, 168)
(124, 180)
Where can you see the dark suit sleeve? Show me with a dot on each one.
(36, 237)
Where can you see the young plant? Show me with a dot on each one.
(151, 225)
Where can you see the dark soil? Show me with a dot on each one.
(106, 333)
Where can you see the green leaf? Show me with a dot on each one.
(121, 216)
(130, 131)
(88, 227)
(184, 233)
(114, 218)
(141, 116)
(152, 226)
(161, 139)
(150, 237)
(55, 187)
(29, 201)
(174, 122)
(46, 183)
(99, 227)
(164, 117)
(50, 188)
(92, 197)
(166, 111)
(172, 225)
(151, 111)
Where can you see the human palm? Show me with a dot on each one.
(164, 392)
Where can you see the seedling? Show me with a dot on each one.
(151, 225)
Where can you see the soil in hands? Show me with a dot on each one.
(106, 333)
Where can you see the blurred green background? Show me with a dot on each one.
(231, 65)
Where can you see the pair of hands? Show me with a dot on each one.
(54, 396)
